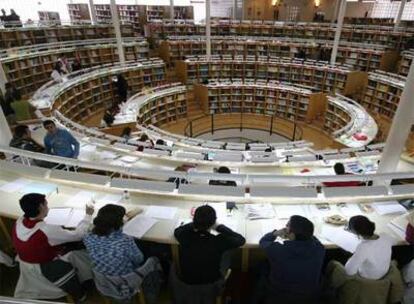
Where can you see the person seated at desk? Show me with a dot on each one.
(409, 232)
(201, 252)
(22, 139)
(340, 170)
(37, 242)
(126, 134)
(58, 72)
(372, 257)
(295, 264)
(223, 170)
(118, 271)
(60, 142)
(144, 138)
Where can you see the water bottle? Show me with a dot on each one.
(126, 197)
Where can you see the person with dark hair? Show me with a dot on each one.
(37, 242)
(372, 257)
(7, 109)
(223, 170)
(22, 140)
(126, 134)
(122, 88)
(57, 73)
(14, 19)
(339, 169)
(144, 138)
(295, 264)
(60, 142)
(108, 118)
(76, 64)
(201, 252)
(119, 267)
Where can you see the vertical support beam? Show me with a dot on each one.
(397, 19)
(341, 15)
(5, 133)
(335, 11)
(115, 22)
(208, 30)
(172, 15)
(242, 15)
(93, 11)
(3, 80)
(400, 128)
(235, 3)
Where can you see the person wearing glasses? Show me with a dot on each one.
(60, 142)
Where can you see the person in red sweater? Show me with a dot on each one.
(37, 242)
(409, 232)
(340, 170)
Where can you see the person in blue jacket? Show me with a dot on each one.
(295, 263)
(60, 142)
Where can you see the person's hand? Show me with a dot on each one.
(131, 213)
(281, 233)
(214, 227)
(89, 209)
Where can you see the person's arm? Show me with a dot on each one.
(355, 261)
(409, 234)
(48, 145)
(183, 231)
(73, 141)
(133, 252)
(228, 238)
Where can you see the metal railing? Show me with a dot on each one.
(215, 122)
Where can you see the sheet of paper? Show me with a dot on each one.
(390, 207)
(349, 209)
(41, 188)
(75, 218)
(15, 185)
(82, 197)
(322, 212)
(109, 199)
(286, 211)
(107, 155)
(58, 216)
(128, 159)
(259, 211)
(340, 237)
(161, 212)
(139, 225)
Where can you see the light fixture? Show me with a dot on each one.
(275, 2)
(317, 3)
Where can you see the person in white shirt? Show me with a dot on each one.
(372, 257)
(39, 243)
(57, 73)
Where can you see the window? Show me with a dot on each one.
(293, 13)
(386, 9)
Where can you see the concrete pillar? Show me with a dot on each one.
(339, 24)
(399, 14)
(400, 128)
(92, 11)
(115, 23)
(5, 133)
(208, 30)
(172, 15)
(235, 9)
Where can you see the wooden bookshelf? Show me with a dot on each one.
(29, 68)
(266, 98)
(369, 21)
(89, 94)
(79, 13)
(318, 76)
(17, 37)
(405, 62)
(357, 56)
(378, 35)
(166, 107)
(335, 117)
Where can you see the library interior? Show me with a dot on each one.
(207, 151)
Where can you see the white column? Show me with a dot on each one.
(341, 15)
(115, 22)
(335, 11)
(235, 9)
(93, 11)
(5, 133)
(400, 128)
(208, 30)
(242, 15)
(399, 14)
(172, 10)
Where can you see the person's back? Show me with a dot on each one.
(200, 251)
(23, 110)
(295, 264)
(339, 169)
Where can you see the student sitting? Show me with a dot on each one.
(201, 252)
(119, 267)
(144, 138)
(295, 264)
(340, 170)
(223, 170)
(126, 134)
(59, 141)
(37, 242)
(372, 257)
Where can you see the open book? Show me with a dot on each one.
(67, 217)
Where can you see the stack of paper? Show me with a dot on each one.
(67, 217)
(259, 211)
(160, 212)
(399, 225)
(390, 207)
(340, 237)
(286, 211)
(15, 185)
(139, 225)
